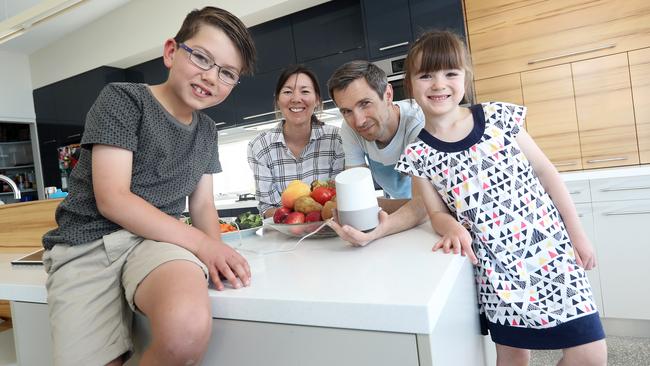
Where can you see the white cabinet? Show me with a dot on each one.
(587, 221)
(624, 249)
(615, 213)
(621, 214)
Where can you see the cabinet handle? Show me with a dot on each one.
(259, 115)
(219, 123)
(575, 192)
(573, 53)
(626, 213)
(623, 189)
(49, 142)
(580, 215)
(73, 136)
(565, 164)
(393, 46)
(605, 160)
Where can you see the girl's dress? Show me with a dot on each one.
(531, 292)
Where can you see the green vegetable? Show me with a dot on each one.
(248, 220)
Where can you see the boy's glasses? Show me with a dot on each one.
(204, 62)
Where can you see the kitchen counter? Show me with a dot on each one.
(394, 291)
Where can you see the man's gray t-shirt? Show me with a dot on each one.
(169, 159)
(382, 161)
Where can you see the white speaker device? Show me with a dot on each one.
(356, 201)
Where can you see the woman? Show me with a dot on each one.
(300, 147)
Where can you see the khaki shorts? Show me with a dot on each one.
(90, 289)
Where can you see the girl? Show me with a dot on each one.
(526, 241)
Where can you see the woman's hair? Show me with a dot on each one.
(294, 70)
(231, 26)
(439, 50)
(353, 70)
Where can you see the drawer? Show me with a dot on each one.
(579, 191)
(615, 189)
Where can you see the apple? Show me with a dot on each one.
(322, 194)
(295, 218)
(281, 214)
(313, 216)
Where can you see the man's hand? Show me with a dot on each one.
(222, 260)
(355, 237)
(457, 240)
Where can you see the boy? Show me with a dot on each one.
(119, 243)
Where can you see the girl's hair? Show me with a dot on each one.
(231, 26)
(439, 50)
(294, 70)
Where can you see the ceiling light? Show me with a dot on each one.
(21, 22)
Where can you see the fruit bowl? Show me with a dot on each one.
(300, 230)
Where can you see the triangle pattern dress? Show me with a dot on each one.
(529, 286)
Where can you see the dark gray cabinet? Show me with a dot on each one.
(392, 25)
(152, 72)
(327, 29)
(61, 110)
(324, 67)
(439, 14)
(254, 98)
(388, 27)
(274, 44)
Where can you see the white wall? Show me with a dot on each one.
(135, 33)
(15, 88)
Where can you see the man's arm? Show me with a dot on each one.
(408, 215)
(111, 174)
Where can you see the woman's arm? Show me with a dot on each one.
(111, 175)
(556, 189)
(266, 193)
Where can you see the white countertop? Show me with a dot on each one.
(394, 284)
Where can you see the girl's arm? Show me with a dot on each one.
(554, 186)
(111, 175)
(454, 236)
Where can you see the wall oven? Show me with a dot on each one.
(394, 69)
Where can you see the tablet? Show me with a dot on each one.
(31, 258)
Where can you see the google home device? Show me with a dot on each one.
(356, 201)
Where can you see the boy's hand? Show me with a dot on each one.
(457, 240)
(355, 237)
(222, 260)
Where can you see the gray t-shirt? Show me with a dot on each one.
(169, 159)
(382, 161)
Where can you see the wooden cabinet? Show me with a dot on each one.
(581, 114)
(506, 88)
(514, 36)
(640, 78)
(605, 112)
(551, 119)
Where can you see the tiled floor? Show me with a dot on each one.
(621, 351)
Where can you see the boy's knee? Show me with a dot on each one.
(186, 334)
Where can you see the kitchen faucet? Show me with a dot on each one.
(13, 186)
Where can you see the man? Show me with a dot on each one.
(375, 134)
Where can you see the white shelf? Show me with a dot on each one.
(15, 142)
(21, 192)
(16, 167)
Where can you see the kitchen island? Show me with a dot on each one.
(393, 302)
